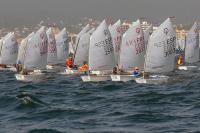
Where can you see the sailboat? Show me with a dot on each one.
(101, 55)
(81, 49)
(35, 57)
(22, 50)
(62, 46)
(191, 48)
(160, 55)
(8, 52)
(132, 53)
(81, 53)
(52, 52)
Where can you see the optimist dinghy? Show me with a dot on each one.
(191, 49)
(35, 58)
(8, 52)
(101, 54)
(160, 55)
(52, 62)
(81, 52)
(132, 52)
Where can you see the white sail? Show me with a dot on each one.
(83, 31)
(82, 50)
(62, 46)
(36, 52)
(132, 48)
(192, 45)
(52, 50)
(180, 44)
(9, 50)
(101, 54)
(22, 48)
(160, 55)
(147, 34)
(116, 35)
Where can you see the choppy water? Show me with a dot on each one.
(64, 104)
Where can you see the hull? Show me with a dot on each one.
(71, 72)
(153, 79)
(123, 78)
(105, 72)
(8, 69)
(95, 78)
(32, 77)
(188, 68)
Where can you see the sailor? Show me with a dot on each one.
(115, 70)
(136, 72)
(84, 68)
(18, 66)
(69, 63)
(180, 60)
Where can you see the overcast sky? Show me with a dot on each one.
(33, 11)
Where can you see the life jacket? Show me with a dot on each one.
(69, 63)
(180, 61)
(84, 68)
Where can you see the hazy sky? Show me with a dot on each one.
(33, 11)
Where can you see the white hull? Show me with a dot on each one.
(188, 68)
(32, 77)
(153, 79)
(123, 78)
(105, 72)
(13, 69)
(95, 78)
(71, 72)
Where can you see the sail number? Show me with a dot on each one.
(170, 46)
(43, 47)
(138, 43)
(52, 46)
(107, 44)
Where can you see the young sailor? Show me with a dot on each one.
(19, 66)
(69, 63)
(115, 71)
(180, 60)
(84, 68)
(136, 72)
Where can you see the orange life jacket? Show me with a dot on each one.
(180, 61)
(69, 63)
(84, 68)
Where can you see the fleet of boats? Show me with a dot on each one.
(109, 53)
